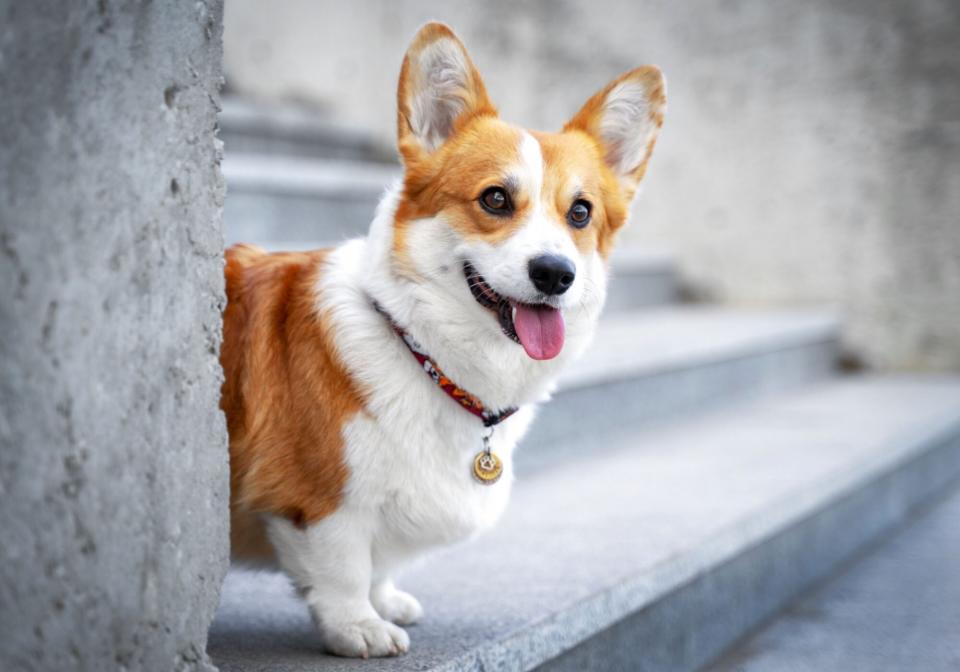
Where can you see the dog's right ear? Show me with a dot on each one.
(625, 119)
(439, 91)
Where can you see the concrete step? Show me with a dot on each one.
(657, 553)
(298, 200)
(655, 364)
(281, 129)
(641, 278)
(898, 608)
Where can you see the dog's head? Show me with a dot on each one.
(513, 225)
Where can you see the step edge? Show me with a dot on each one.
(610, 606)
(805, 336)
(253, 173)
(240, 115)
(630, 259)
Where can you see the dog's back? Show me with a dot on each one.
(285, 394)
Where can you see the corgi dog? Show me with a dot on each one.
(375, 391)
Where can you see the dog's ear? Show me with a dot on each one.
(625, 118)
(439, 91)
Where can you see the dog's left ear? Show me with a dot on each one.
(625, 119)
(439, 91)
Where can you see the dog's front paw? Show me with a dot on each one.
(371, 638)
(396, 606)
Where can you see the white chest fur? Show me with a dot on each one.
(410, 453)
(415, 478)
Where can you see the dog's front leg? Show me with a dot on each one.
(330, 563)
(394, 604)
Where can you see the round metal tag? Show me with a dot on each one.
(487, 467)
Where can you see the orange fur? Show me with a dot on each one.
(452, 178)
(482, 154)
(286, 394)
(587, 120)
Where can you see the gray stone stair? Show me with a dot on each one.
(300, 200)
(283, 129)
(641, 278)
(658, 551)
(655, 364)
(294, 176)
(898, 608)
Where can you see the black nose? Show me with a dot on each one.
(551, 273)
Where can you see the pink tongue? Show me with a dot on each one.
(540, 329)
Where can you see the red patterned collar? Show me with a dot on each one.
(454, 391)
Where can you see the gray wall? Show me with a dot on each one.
(113, 460)
(811, 151)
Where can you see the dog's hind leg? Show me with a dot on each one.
(330, 564)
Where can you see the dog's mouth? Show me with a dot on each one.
(539, 328)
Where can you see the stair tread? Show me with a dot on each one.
(240, 113)
(595, 539)
(278, 129)
(643, 259)
(328, 178)
(896, 609)
(639, 342)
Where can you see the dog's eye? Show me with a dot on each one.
(496, 201)
(579, 215)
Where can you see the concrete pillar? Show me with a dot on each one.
(113, 458)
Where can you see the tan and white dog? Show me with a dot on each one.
(491, 258)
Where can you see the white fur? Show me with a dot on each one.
(440, 85)
(627, 125)
(532, 166)
(410, 454)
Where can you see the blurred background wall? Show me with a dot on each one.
(811, 152)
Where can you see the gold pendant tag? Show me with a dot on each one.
(487, 467)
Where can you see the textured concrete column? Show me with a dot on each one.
(113, 459)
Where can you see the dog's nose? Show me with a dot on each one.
(552, 273)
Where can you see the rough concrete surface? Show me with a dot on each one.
(113, 460)
(897, 609)
(811, 151)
